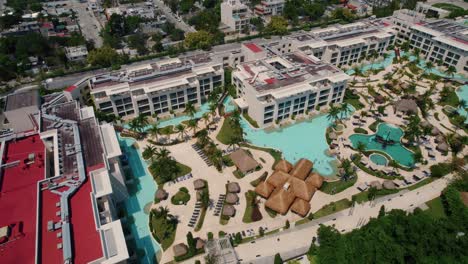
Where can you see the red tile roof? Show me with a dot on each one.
(18, 198)
(70, 88)
(253, 47)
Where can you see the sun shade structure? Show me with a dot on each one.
(389, 185)
(199, 184)
(301, 169)
(284, 166)
(161, 194)
(376, 184)
(233, 187)
(301, 189)
(229, 210)
(300, 207)
(180, 249)
(264, 189)
(407, 106)
(243, 161)
(232, 198)
(315, 179)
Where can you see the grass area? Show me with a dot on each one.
(421, 183)
(353, 100)
(257, 181)
(364, 196)
(448, 7)
(374, 125)
(182, 170)
(436, 208)
(181, 197)
(276, 154)
(360, 130)
(270, 212)
(250, 120)
(332, 207)
(451, 98)
(249, 208)
(226, 133)
(238, 174)
(167, 130)
(163, 230)
(201, 219)
(337, 186)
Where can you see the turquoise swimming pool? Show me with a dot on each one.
(302, 140)
(135, 203)
(462, 93)
(387, 132)
(378, 159)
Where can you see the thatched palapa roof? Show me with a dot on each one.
(233, 187)
(442, 147)
(284, 166)
(302, 168)
(406, 105)
(440, 139)
(376, 184)
(389, 185)
(229, 210)
(301, 189)
(200, 243)
(264, 189)
(199, 184)
(315, 179)
(280, 200)
(243, 161)
(300, 207)
(232, 198)
(180, 250)
(161, 194)
(435, 131)
(278, 178)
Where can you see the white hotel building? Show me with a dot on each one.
(158, 88)
(341, 44)
(273, 88)
(442, 40)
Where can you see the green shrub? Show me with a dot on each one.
(360, 130)
(441, 169)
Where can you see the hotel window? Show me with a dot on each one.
(177, 100)
(160, 104)
(311, 101)
(205, 87)
(192, 95)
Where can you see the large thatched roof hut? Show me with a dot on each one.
(284, 166)
(264, 189)
(302, 168)
(233, 187)
(180, 250)
(300, 207)
(229, 210)
(315, 179)
(280, 200)
(243, 161)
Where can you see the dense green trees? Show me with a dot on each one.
(117, 27)
(105, 57)
(277, 26)
(199, 40)
(396, 237)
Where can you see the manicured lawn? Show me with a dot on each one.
(420, 184)
(200, 220)
(353, 100)
(163, 231)
(250, 120)
(333, 208)
(180, 198)
(451, 99)
(183, 170)
(360, 130)
(436, 208)
(238, 174)
(337, 186)
(226, 133)
(249, 209)
(364, 196)
(448, 7)
(257, 181)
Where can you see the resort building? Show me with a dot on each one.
(76, 53)
(236, 16)
(163, 87)
(60, 184)
(341, 44)
(277, 88)
(403, 20)
(430, 11)
(270, 8)
(290, 187)
(442, 41)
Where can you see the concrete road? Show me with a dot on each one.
(89, 24)
(295, 241)
(172, 18)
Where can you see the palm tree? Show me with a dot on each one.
(135, 125)
(361, 147)
(202, 137)
(394, 165)
(461, 104)
(190, 110)
(429, 66)
(357, 72)
(163, 154)
(450, 71)
(193, 124)
(154, 131)
(416, 53)
(212, 106)
(206, 118)
(150, 151)
(181, 129)
(333, 113)
(344, 110)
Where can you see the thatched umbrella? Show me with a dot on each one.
(435, 131)
(232, 198)
(440, 139)
(425, 123)
(302, 168)
(376, 184)
(229, 210)
(315, 179)
(264, 189)
(199, 184)
(200, 243)
(284, 166)
(332, 135)
(161, 194)
(442, 147)
(389, 185)
(180, 249)
(233, 187)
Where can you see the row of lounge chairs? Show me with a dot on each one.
(202, 155)
(219, 204)
(195, 215)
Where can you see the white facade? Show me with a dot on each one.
(442, 41)
(340, 44)
(402, 21)
(278, 88)
(76, 53)
(431, 11)
(160, 88)
(235, 15)
(270, 7)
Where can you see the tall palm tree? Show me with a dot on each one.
(151, 151)
(135, 125)
(344, 110)
(193, 124)
(212, 106)
(461, 104)
(163, 154)
(357, 72)
(181, 130)
(450, 71)
(154, 131)
(190, 110)
(206, 118)
(429, 66)
(333, 113)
